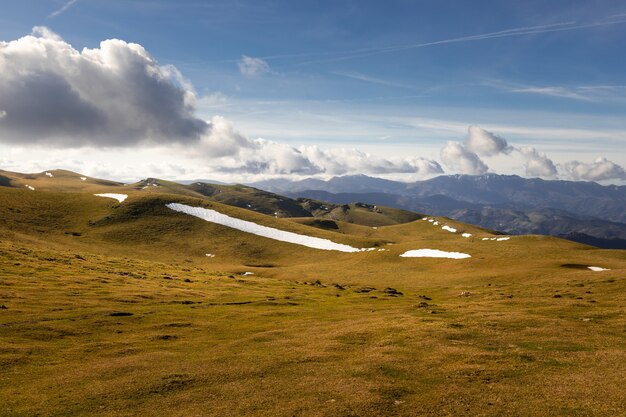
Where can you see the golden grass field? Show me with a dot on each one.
(111, 309)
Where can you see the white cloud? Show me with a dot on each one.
(599, 170)
(233, 152)
(457, 158)
(114, 95)
(222, 140)
(553, 91)
(537, 164)
(344, 161)
(485, 143)
(44, 32)
(252, 67)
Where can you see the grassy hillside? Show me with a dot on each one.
(115, 309)
(241, 196)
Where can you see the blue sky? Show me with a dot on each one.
(389, 78)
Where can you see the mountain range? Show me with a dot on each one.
(586, 212)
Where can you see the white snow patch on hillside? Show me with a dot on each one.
(597, 268)
(30, 187)
(502, 238)
(449, 229)
(118, 197)
(434, 253)
(83, 178)
(466, 235)
(49, 174)
(264, 231)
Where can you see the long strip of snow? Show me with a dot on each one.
(449, 229)
(434, 253)
(118, 197)
(264, 231)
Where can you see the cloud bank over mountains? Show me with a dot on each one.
(118, 97)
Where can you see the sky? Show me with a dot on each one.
(242, 90)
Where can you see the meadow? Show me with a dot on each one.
(110, 309)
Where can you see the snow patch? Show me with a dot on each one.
(209, 255)
(264, 231)
(245, 274)
(502, 238)
(434, 253)
(449, 229)
(118, 197)
(466, 235)
(435, 223)
(49, 174)
(83, 178)
(29, 187)
(431, 220)
(597, 268)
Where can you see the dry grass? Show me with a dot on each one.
(205, 340)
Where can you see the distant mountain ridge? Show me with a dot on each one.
(582, 211)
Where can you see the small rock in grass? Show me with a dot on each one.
(423, 304)
(424, 297)
(392, 292)
(120, 314)
(557, 296)
(465, 294)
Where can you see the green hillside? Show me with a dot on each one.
(131, 308)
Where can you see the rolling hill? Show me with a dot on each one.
(166, 301)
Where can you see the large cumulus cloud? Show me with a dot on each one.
(466, 157)
(118, 95)
(458, 158)
(114, 95)
(485, 143)
(537, 164)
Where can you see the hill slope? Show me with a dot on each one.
(116, 308)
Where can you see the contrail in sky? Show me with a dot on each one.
(63, 8)
(363, 52)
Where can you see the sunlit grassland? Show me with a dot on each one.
(115, 310)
